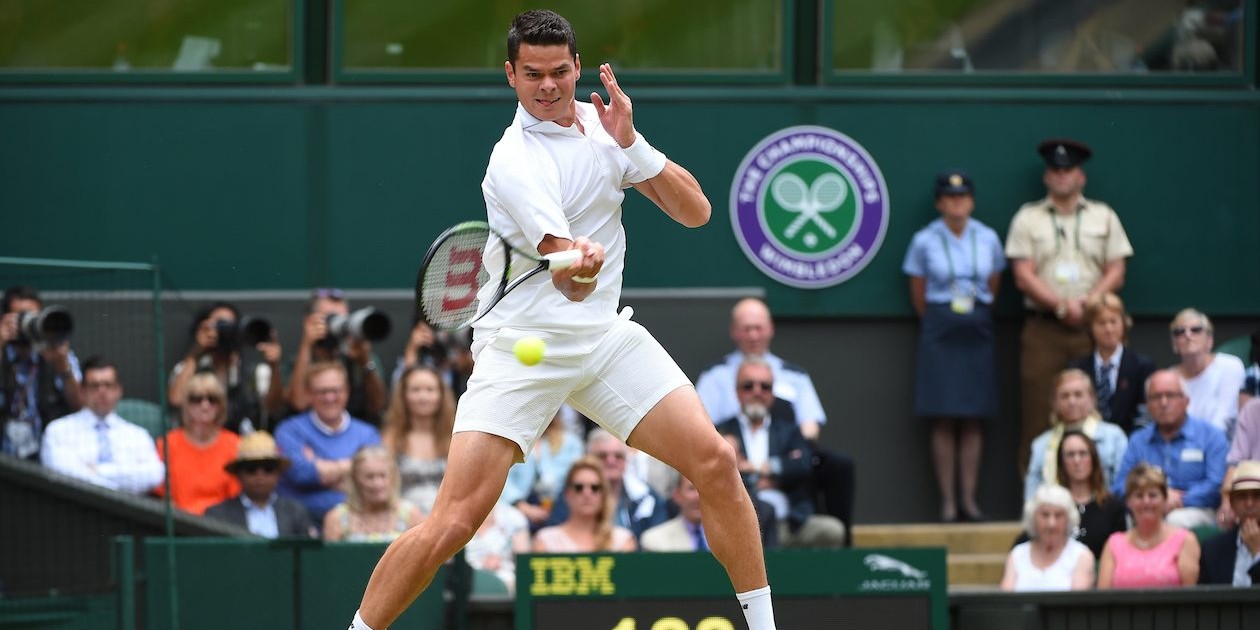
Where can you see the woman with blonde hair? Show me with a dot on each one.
(1212, 379)
(1074, 409)
(1052, 559)
(200, 448)
(373, 510)
(1118, 371)
(417, 430)
(1152, 553)
(589, 527)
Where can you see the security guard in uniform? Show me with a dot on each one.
(1064, 250)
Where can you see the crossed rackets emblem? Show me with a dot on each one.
(809, 202)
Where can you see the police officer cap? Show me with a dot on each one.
(953, 182)
(1064, 152)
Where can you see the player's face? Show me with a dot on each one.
(545, 78)
(423, 394)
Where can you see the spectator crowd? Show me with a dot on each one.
(1134, 476)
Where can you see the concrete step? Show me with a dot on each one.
(977, 551)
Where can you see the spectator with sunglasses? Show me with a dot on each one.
(367, 386)
(200, 449)
(775, 459)
(1212, 379)
(258, 466)
(590, 525)
(637, 507)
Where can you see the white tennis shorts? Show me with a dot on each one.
(613, 378)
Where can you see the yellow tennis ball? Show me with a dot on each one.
(529, 350)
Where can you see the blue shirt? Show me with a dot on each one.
(973, 257)
(1194, 461)
(716, 387)
(301, 480)
(261, 519)
(542, 470)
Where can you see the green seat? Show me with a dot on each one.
(487, 583)
(147, 414)
(1239, 347)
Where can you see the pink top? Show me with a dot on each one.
(1146, 568)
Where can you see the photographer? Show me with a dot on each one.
(446, 352)
(367, 387)
(255, 391)
(39, 382)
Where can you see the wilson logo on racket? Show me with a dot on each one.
(809, 207)
(464, 265)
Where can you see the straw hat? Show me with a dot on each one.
(258, 446)
(1246, 476)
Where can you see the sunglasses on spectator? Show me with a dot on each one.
(197, 399)
(1193, 330)
(766, 386)
(329, 293)
(250, 468)
(583, 487)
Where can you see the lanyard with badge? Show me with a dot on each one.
(1066, 271)
(962, 302)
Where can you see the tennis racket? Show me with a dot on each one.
(468, 270)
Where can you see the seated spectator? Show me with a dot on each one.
(366, 398)
(685, 532)
(590, 525)
(258, 466)
(533, 485)
(321, 442)
(1074, 409)
(1190, 451)
(636, 506)
(1212, 379)
(417, 430)
(255, 389)
(774, 458)
(200, 448)
(1153, 553)
(1051, 560)
(37, 385)
(503, 534)
(752, 330)
(374, 510)
(1101, 514)
(1251, 376)
(1119, 373)
(1233, 557)
(1245, 446)
(96, 445)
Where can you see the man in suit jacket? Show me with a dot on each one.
(776, 460)
(685, 532)
(1234, 556)
(258, 465)
(1119, 373)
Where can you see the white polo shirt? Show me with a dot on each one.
(546, 179)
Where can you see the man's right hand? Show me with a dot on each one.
(314, 328)
(8, 327)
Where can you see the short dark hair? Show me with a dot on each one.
(205, 311)
(540, 27)
(97, 362)
(20, 292)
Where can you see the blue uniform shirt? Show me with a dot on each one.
(974, 256)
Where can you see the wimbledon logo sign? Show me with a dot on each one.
(809, 207)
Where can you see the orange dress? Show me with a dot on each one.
(198, 479)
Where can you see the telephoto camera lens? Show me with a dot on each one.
(51, 326)
(365, 323)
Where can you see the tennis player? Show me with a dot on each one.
(555, 181)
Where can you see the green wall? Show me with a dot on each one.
(279, 188)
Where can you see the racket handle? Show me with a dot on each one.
(557, 261)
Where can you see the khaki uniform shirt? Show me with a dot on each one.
(1068, 251)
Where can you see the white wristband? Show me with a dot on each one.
(645, 157)
(583, 279)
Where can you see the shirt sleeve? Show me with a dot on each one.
(808, 407)
(915, 264)
(1118, 245)
(527, 189)
(713, 387)
(1131, 458)
(1018, 239)
(1244, 433)
(1036, 467)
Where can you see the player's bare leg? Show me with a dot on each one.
(476, 470)
(678, 432)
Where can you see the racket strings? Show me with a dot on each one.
(454, 278)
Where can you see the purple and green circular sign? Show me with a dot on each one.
(809, 207)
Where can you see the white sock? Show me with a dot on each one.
(358, 624)
(758, 611)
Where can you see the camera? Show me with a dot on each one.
(365, 323)
(51, 326)
(250, 331)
